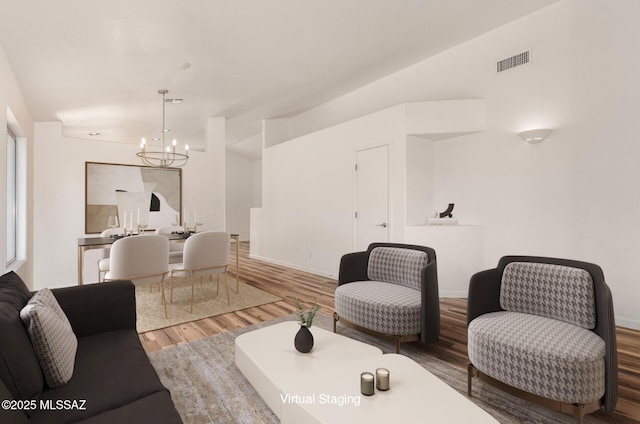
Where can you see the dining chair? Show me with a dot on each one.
(205, 255)
(142, 259)
(175, 249)
(103, 261)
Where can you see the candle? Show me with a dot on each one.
(138, 217)
(382, 379)
(124, 222)
(366, 383)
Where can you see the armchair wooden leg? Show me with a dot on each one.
(470, 373)
(335, 321)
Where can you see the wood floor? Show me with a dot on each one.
(451, 347)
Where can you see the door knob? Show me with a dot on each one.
(383, 225)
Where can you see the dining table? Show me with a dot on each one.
(89, 243)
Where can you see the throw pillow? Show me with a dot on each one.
(52, 337)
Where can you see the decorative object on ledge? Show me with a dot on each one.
(442, 218)
(167, 157)
(535, 136)
(447, 213)
(442, 221)
(303, 341)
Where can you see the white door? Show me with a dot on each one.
(372, 197)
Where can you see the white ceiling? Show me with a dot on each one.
(97, 65)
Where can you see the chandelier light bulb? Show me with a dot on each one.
(174, 142)
(186, 147)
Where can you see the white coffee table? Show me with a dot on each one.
(332, 395)
(268, 358)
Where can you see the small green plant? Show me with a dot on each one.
(306, 317)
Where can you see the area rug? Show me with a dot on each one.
(206, 303)
(207, 387)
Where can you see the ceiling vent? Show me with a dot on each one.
(513, 61)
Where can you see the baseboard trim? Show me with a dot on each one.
(454, 293)
(628, 323)
(294, 266)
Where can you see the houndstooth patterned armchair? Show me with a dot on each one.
(544, 329)
(391, 290)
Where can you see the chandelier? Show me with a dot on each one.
(167, 156)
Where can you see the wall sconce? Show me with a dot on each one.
(535, 136)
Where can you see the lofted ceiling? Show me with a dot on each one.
(96, 66)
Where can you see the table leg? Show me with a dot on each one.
(237, 264)
(81, 251)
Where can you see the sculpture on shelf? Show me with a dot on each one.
(447, 213)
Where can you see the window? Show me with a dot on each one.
(12, 198)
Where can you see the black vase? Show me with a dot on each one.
(304, 340)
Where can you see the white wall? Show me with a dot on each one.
(420, 172)
(59, 193)
(575, 195)
(257, 183)
(307, 204)
(240, 193)
(12, 105)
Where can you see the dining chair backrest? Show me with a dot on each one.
(104, 253)
(111, 232)
(137, 256)
(168, 229)
(208, 250)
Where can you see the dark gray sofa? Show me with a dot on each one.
(113, 380)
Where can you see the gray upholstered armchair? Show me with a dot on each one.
(391, 290)
(544, 329)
